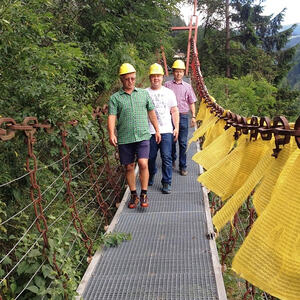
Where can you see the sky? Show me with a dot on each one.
(292, 14)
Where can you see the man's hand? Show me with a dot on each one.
(113, 140)
(175, 134)
(157, 137)
(111, 123)
(193, 122)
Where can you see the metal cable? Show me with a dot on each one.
(30, 280)
(14, 247)
(60, 175)
(21, 259)
(39, 169)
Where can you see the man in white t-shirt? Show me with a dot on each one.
(167, 115)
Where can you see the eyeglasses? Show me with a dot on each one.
(129, 79)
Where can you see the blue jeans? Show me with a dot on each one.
(182, 140)
(165, 147)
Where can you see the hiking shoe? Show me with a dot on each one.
(144, 200)
(134, 201)
(166, 188)
(183, 172)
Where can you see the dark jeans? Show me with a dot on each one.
(182, 141)
(165, 147)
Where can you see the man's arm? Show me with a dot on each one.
(193, 111)
(175, 119)
(111, 124)
(154, 122)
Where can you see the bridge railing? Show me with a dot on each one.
(55, 202)
(252, 172)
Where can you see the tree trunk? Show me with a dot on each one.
(227, 46)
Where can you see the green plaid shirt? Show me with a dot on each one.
(132, 115)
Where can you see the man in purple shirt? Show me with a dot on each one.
(186, 99)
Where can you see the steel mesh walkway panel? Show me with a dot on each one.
(168, 257)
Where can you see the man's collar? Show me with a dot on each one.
(123, 92)
(156, 89)
(177, 82)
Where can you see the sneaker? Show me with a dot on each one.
(150, 182)
(166, 188)
(133, 202)
(144, 200)
(183, 172)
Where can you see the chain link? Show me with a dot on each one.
(70, 198)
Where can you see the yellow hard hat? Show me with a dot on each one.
(156, 69)
(126, 68)
(178, 64)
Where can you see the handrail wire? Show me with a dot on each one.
(59, 176)
(30, 279)
(39, 169)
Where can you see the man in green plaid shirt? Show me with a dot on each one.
(130, 108)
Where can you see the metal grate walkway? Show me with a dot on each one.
(169, 256)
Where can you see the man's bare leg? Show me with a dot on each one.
(130, 176)
(144, 173)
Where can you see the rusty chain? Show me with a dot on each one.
(250, 289)
(95, 183)
(29, 127)
(278, 127)
(119, 171)
(35, 191)
(228, 246)
(70, 198)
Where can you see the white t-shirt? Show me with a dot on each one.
(163, 100)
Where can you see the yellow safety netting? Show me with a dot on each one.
(216, 150)
(213, 132)
(230, 173)
(269, 258)
(264, 191)
(202, 111)
(207, 123)
(233, 204)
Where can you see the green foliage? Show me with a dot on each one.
(287, 103)
(294, 74)
(56, 58)
(46, 281)
(114, 239)
(38, 71)
(246, 96)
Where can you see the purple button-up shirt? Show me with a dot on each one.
(184, 94)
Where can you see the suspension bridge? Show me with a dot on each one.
(172, 254)
(249, 166)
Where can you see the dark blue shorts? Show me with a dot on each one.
(128, 152)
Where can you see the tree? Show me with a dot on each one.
(254, 29)
(56, 57)
(246, 96)
(251, 33)
(294, 74)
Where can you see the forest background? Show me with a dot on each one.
(59, 59)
